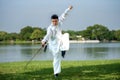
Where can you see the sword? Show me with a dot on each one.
(43, 46)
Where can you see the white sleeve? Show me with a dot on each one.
(63, 16)
(47, 36)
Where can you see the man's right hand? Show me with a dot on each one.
(43, 43)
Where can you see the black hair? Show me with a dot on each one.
(54, 16)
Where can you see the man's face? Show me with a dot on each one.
(55, 22)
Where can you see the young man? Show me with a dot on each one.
(53, 37)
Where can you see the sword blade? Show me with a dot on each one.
(32, 57)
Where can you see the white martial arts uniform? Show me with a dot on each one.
(53, 37)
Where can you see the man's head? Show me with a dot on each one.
(54, 19)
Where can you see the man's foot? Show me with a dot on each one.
(63, 53)
(56, 75)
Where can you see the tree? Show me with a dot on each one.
(100, 32)
(96, 32)
(26, 33)
(87, 34)
(37, 34)
(2, 35)
(112, 35)
(117, 35)
(14, 36)
(43, 31)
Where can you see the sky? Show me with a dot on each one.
(16, 14)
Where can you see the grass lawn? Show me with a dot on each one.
(71, 70)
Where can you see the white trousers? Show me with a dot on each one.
(56, 62)
(55, 47)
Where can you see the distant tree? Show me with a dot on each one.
(34, 28)
(79, 33)
(43, 31)
(27, 36)
(26, 32)
(101, 32)
(96, 32)
(14, 36)
(112, 35)
(2, 35)
(87, 34)
(117, 35)
(7, 37)
(37, 34)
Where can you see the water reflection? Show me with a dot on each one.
(93, 51)
(96, 52)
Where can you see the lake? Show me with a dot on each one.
(78, 51)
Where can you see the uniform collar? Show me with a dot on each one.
(54, 26)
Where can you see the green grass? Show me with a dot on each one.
(71, 70)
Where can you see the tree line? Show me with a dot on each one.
(95, 32)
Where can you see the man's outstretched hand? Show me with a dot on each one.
(70, 7)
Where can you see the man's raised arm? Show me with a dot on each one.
(63, 16)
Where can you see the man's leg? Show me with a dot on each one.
(57, 63)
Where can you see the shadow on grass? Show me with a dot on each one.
(92, 72)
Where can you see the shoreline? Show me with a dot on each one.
(71, 41)
(85, 41)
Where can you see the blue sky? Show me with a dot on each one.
(16, 14)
